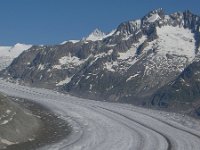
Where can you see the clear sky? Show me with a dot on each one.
(54, 21)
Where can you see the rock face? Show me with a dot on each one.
(135, 63)
(183, 91)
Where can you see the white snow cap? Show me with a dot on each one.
(72, 41)
(13, 51)
(96, 35)
(8, 53)
(153, 18)
(154, 15)
(20, 46)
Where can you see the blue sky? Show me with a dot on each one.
(54, 21)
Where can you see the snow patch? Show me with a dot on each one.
(91, 86)
(8, 111)
(4, 122)
(4, 141)
(109, 66)
(96, 57)
(110, 52)
(153, 18)
(131, 77)
(87, 77)
(41, 67)
(41, 76)
(127, 37)
(177, 41)
(70, 60)
(132, 51)
(174, 41)
(57, 67)
(67, 80)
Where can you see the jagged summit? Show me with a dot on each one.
(146, 24)
(96, 35)
(154, 15)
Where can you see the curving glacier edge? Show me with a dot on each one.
(111, 126)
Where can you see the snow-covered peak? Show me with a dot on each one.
(153, 18)
(13, 51)
(154, 15)
(8, 53)
(72, 41)
(17, 49)
(96, 35)
(20, 47)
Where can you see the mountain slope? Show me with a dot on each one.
(184, 90)
(130, 64)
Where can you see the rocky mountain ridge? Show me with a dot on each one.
(134, 63)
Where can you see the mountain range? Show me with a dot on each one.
(152, 61)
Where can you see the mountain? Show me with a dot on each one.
(8, 53)
(97, 35)
(138, 62)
